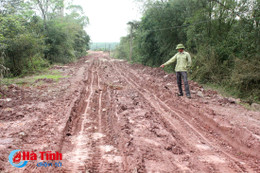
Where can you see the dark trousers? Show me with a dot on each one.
(183, 74)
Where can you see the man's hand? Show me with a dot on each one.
(162, 66)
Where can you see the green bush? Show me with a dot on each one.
(246, 78)
(29, 42)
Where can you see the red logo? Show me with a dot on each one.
(44, 155)
(20, 159)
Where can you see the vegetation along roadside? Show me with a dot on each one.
(222, 36)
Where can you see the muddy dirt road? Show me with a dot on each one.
(111, 116)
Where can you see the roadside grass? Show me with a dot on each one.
(230, 92)
(55, 75)
(226, 92)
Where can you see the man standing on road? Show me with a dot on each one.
(183, 62)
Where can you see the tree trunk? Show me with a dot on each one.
(131, 44)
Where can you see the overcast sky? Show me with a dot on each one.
(108, 18)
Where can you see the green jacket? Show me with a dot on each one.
(183, 61)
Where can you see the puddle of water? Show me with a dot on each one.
(202, 147)
(97, 136)
(107, 148)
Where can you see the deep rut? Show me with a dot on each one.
(85, 147)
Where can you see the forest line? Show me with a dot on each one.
(221, 35)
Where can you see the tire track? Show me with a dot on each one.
(115, 136)
(81, 151)
(97, 135)
(104, 156)
(76, 149)
(85, 147)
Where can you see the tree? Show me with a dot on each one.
(29, 42)
(48, 8)
(10, 6)
(133, 26)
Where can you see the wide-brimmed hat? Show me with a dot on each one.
(180, 46)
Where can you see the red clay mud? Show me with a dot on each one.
(111, 116)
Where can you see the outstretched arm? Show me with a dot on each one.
(169, 62)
